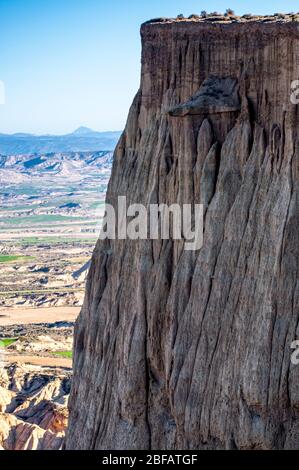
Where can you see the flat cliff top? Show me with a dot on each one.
(247, 24)
(228, 19)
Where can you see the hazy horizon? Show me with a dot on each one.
(72, 131)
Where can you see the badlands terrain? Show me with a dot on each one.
(35, 376)
(50, 212)
(33, 406)
(51, 205)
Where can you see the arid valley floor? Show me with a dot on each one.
(51, 209)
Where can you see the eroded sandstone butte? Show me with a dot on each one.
(177, 349)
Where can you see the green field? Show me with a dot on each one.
(40, 219)
(66, 354)
(12, 258)
(7, 341)
(51, 290)
(55, 240)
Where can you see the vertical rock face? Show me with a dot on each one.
(191, 349)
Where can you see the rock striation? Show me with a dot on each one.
(179, 349)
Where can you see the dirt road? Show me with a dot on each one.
(38, 360)
(24, 316)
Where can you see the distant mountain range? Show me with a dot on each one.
(82, 139)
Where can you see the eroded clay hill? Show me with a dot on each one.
(179, 349)
(33, 407)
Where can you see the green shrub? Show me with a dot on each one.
(229, 12)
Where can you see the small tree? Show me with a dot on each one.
(180, 16)
(229, 12)
(203, 13)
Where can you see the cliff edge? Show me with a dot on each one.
(179, 349)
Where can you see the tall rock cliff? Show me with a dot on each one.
(179, 349)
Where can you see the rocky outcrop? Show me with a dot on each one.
(179, 349)
(15, 434)
(33, 407)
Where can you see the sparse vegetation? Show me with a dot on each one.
(40, 219)
(281, 15)
(203, 13)
(7, 342)
(66, 354)
(13, 258)
(56, 241)
(52, 290)
(229, 12)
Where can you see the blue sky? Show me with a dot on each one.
(67, 63)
